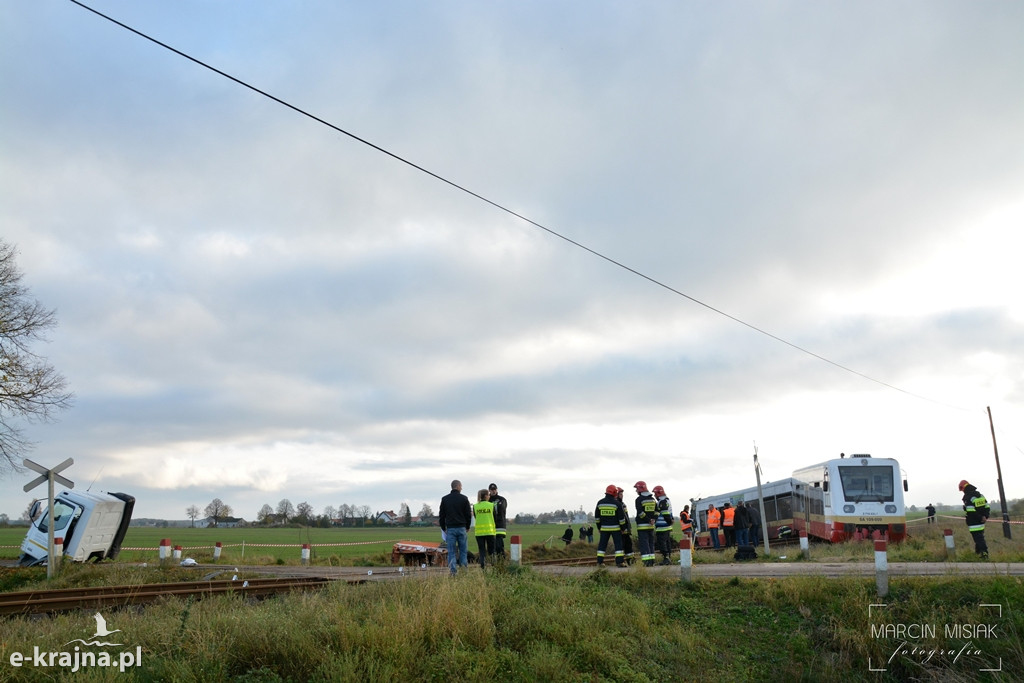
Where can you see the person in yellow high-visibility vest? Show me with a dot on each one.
(483, 512)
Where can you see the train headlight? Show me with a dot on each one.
(890, 509)
(848, 509)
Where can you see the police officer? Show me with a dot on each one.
(610, 516)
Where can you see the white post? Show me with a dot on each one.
(805, 549)
(165, 550)
(950, 551)
(177, 553)
(685, 559)
(881, 569)
(58, 550)
(305, 553)
(216, 551)
(515, 549)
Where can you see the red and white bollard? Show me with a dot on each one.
(305, 553)
(58, 550)
(177, 553)
(950, 551)
(216, 551)
(881, 569)
(685, 559)
(805, 549)
(165, 550)
(515, 549)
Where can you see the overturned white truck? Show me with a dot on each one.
(92, 525)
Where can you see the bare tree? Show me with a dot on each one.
(285, 510)
(265, 512)
(303, 513)
(426, 511)
(364, 512)
(217, 510)
(30, 388)
(192, 511)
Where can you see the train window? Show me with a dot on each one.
(785, 507)
(871, 483)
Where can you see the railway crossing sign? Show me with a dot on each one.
(50, 476)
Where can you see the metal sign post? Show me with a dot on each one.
(49, 476)
(760, 504)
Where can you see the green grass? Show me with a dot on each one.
(519, 625)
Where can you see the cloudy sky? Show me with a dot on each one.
(254, 306)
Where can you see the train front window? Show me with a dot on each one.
(870, 483)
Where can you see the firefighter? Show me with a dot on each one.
(978, 512)
(610, 516)
(500, 508)
(663, 525)
(646, 511)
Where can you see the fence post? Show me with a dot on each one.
(305, 553)
(177, 553)
(216, 551)
(58, 552)
(950, 551)
(685, 559)
(515, 549)
(165, 550)
(805, 549)
(881, 569)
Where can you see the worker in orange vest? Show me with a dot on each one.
(685, 524)
(729, 524)
(714, 522)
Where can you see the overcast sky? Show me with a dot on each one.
(253, 306)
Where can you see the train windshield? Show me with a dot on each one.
(867, 483)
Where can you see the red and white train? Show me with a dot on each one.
(837, 500)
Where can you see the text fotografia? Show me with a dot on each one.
(78, 659)
(924, 642)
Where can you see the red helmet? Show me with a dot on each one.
(611, 489)
(640, 486)
(964, 484)
(659, 490)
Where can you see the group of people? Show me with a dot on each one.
(741, 525)
(456, 516)
(586, 534)
(654, 520)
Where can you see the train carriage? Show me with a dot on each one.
(836, 500)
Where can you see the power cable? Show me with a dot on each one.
(507, 210)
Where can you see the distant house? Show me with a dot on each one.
(387, 517)
(224, 522)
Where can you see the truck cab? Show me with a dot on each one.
(92, 525)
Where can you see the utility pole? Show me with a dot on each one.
(760, 504)
(999, 479)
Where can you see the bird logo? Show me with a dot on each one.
(101, 632)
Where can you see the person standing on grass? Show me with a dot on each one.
(455, 516)
(931, 513)
(567, 535)
(646, 511)
(483, 512)
(685, 523)
(978, 512)
(611, 522)
(714, 523)
(663, 525)
(729, 524)
(755, 522)
(741, 522)
(500, 520)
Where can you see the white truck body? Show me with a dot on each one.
(92, 525)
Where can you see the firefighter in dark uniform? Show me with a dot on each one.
(610, 516)
(646, 505)
(663, 525)
(978, 512)
(500, 508)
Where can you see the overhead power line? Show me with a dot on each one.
(502, 207)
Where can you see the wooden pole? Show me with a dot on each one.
(999, 477)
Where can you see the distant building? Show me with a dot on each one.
(224, 522)
(387, 517)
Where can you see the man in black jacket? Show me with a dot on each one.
(500, 521)
(455, 516)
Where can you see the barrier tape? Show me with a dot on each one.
(270, 545)
(991, 520)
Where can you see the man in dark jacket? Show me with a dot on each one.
(978, 512)
(455, 516)
(500, 520)
(741, 523)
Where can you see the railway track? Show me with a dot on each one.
(61, 599)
